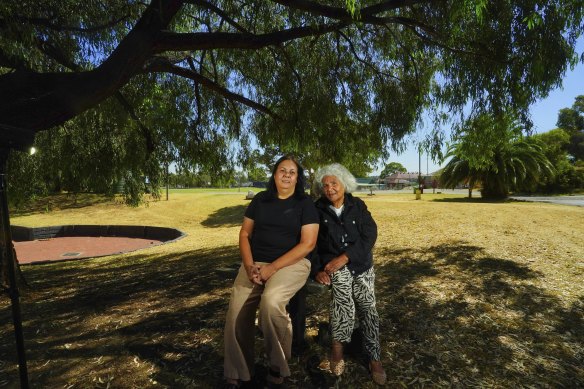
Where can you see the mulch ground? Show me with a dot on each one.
(77, 247)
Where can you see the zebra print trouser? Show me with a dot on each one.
(355, 295)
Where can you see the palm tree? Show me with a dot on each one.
(517, 164)
(458, 171)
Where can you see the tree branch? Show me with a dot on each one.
(161, 65)
(366, 63)
(222, 14)
(437, 43)
(197, 90)
(150, 144)
(228, 40)
(367, 14)
(40, 101)
(11, 62)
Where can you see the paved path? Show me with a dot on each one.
(564, 200)
(77, 247)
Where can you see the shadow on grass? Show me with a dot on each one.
(93, 321)
(226, 217)
(451, 316)
(463, 318)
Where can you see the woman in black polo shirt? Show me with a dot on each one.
(279, 230)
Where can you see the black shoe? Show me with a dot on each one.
(272, 380)
(248, 384)
(240, 385)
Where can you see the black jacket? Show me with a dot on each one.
(354, 233)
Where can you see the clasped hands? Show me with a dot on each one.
(258, 274)
(324, 276)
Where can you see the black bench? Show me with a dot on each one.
(297, 310)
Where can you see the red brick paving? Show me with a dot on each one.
(56, 249)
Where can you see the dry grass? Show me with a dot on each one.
(470, 294)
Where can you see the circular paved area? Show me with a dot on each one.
(77, 247)
(59, 243)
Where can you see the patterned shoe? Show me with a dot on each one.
(379, 376)
(338, 366)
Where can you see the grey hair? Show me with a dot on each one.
(340, 172)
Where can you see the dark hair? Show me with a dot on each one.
(300, 180)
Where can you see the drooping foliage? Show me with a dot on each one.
(180, 81)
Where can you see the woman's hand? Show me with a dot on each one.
(323, 278)
(266, 271)
(336, 263)
(253, 273)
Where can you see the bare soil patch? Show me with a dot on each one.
(470, 294)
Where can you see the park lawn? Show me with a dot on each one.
(470, 294)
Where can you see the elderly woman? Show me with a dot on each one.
(345, 241)
(279, 231)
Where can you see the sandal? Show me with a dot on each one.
(337, 367)
(379, 376)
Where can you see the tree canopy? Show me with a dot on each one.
(391, 168)
(330, 82)
(571, 120)
(568, 177)
(564, 147)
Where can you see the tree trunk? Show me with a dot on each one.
(35, 102)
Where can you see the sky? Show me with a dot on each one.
(544, 114)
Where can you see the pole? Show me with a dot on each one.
(167, 179)
(420, 168)
(7, 256)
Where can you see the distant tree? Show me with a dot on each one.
(26, 181)
(239, 177)
(568, 177)
(258, 173)
(510, 163)
(572, 121)
(391, 168)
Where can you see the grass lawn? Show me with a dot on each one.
(470, 294)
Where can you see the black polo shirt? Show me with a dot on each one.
(277, 224)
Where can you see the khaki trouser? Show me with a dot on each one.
(274, 322)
